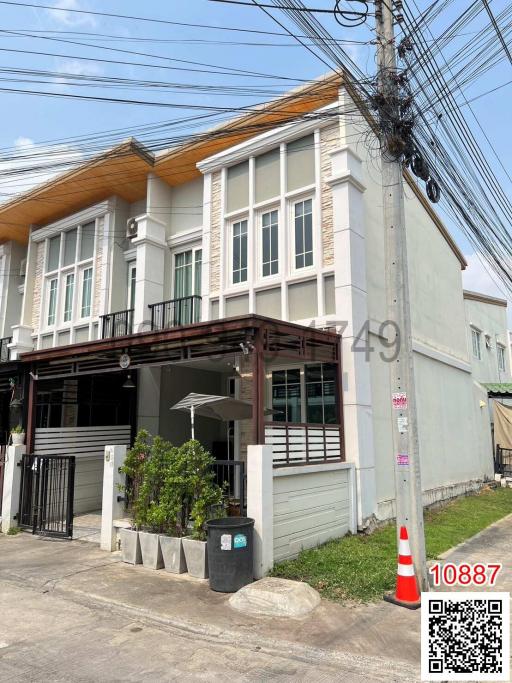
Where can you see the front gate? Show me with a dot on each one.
(231, 476)
(503, 461)
(47, 491)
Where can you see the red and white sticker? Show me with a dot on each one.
(402, 458)
(399, 400)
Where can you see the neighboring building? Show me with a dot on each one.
(173, 259)
(488, 341)
(488, 338)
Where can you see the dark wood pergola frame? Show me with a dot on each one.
(262, 338)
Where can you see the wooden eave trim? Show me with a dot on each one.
(185, 334)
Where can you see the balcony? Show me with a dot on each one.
(5, 353)
(117, 324)
(175, 312)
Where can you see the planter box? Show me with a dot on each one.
(173, 555)
(18, 438)
(196, 557)
(130, 546)
(151, 553)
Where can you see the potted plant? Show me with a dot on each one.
(133, 469)
(152, 514)
(17, 435)
(201, 495)
(173, 513)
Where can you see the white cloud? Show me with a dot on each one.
(30, 164)
(70, 18)
(476, 277)
(76, 67)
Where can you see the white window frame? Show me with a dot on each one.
(502, 361)
(83, 270)
(132, 284)
(476, 335)
(194, 248)
(55, 312)
(243, 284)
(259, 223)
(65, 277)
(291, 232)
(60, 274)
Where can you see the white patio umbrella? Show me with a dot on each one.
(222, 408)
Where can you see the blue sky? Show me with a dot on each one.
(29, 121)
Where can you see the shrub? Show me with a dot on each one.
(150, 512)
(133, 468)
(202, 494)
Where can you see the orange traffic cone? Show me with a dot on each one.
(406, 593)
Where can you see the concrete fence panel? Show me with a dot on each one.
(311, 505)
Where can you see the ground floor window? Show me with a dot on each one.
(305, 394)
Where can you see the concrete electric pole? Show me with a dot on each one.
(409, 505)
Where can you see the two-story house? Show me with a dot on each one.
(248, 261)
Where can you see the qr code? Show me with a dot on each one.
(465, 636)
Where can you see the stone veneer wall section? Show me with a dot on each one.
(38, 287)
(98, 267)
(215, 233)
(329, 141)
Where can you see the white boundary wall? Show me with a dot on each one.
(296, 507)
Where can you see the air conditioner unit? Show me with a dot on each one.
(131, 228)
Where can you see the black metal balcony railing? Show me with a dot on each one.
(117, 324)
(4, 350)
(175, 312)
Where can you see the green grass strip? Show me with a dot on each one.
(362, 568)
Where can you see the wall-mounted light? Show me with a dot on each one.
(129, 383)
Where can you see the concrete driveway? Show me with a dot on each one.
(62, 599)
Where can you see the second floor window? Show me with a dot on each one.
(85, 311)
(476, 342)
(303, 219)
(52, 301)
(68, 300)
(501, 357)
(132, 280)
(269, 243)
(69, 274)
(239, 247)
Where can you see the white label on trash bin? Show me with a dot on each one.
(240, 541)
(225, 542)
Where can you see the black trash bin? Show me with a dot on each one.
(230, 553)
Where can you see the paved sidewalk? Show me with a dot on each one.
(380, 638)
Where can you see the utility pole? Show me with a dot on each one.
(409, 504)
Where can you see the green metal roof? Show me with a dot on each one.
(500, 388)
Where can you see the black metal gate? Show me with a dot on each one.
(230, 474)
(47, 491)
(503, 461)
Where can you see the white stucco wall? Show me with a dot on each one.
(454, 431)
(490, 319)
(11, 254)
